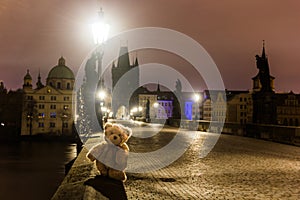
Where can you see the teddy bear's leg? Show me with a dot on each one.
(102, 168)
(116, 174)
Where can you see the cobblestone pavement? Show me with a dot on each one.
(236, 168)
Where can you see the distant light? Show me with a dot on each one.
(155, 105)
(197, 97)
(101, 94)
(133, 110)
(2, 124)
(103, 109)
(140, 108)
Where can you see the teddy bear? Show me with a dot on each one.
(111, 154)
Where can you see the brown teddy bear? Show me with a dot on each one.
(111, 155)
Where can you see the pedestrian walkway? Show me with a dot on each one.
(237, 168)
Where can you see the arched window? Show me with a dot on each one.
(68, 86)
(58, 85)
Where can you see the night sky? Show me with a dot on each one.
(34, 34)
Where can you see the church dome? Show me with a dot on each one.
(27, 76)
(61, 71)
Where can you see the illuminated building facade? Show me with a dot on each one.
(47, 109)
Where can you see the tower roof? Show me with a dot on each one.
(61, 71)
(27, 76)
(123, 57)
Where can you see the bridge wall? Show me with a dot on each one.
(276, 133)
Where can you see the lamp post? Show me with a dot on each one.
(197, 100)
(100, 31)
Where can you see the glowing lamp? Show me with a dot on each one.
(101, 95)
(197, 97)
(100, 29)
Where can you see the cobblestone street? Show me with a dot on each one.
(236, 168)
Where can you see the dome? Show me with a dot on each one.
(27, 76)
(61, 71)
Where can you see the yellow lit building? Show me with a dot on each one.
(48, 109)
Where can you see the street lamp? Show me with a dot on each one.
(197, 99)
(100, 31)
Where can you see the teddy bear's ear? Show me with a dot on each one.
(107, 125)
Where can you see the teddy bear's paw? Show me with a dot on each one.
(118, 175)
(103, 172)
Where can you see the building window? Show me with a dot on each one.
(65, 125)
(68, 86)
(41, 97)
(52, 124)
(41, 106)
(41, 115)
(66, 98)
(29, 97)
(241, 106)
(41, 124)
(53, 115)
(53, 98)
(52, 106)
(58, 85)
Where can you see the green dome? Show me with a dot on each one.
(61, 71)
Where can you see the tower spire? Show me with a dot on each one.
(263, 55)
(158, 87)
(39, 83)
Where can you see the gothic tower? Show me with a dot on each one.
(125, 80)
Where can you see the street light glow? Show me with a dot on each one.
(100, 32)
(101, 94)
(197, 97)
(133, 110)
(103, 109)
(140, 108)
